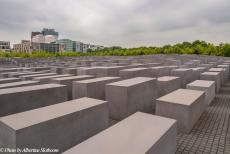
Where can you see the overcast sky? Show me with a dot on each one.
(128, 23)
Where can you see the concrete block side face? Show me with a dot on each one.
(212, 78)
(175, 111)
(96, 90)
(117, 99)
(9, 81)
(65, 132)
(165, 87)
(209, 92)
(196, 109)
(7, 137)
(141, 97)
(18, 102)
(79, 90)
(167, 143)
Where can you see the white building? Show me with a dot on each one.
(38, 38)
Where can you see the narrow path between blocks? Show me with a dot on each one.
(211, 134)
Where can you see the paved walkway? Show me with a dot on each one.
(211, 134)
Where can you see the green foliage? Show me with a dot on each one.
(196, 47)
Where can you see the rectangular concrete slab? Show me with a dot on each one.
(185, 74)
(9, 80)
(140, 133)
(59, 126)
(207, 86)
(18, 84)
(68, 81)
(184, 105)
(93, 88)
(159, 71)
(30, 77)
(19, 99)
(129, 96)
(47, 79)
(134, 72)
(167, 84)
(212, 76)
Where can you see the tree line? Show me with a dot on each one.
(196, 47)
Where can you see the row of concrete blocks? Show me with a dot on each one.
(63, 125)
(29, 94)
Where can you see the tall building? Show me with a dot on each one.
(47, 31)
(45, 36)
(4, 45)
(38, 38)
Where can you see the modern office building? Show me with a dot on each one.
(47, 31)
(4, 45)
(51, 47)
(79, 46)
(45, 36)
(28, 46)
(69, 45)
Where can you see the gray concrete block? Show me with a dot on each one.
(140, 133)
(159, 71)
(47, 79)
(93, 88)
(18, 84)
(129, 96)
(9, 80)
(18, 74)
(30, 77)
(222, 71)
(227, 68)
(59, 126)
(70, 71)
(167, 84)
(186, 106)
(109, 71)
(135, 72)
(87, 71)
(207, 86)
(212, 76)
(68, 81)
(19, 99)
(185, 75)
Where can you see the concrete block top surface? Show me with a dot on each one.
(198, 68)
(202, 83)
(211, 73)
(7, 79)
(132, 81)
(53, 76)
(135, 69)
(134, 135)
(72, 77)
(158, 67)
(97, 79)
(29, 88)
(167, 78)
(17, 83)
(32, 117)
(182, 69)
(182, 96)
(216, 69)
(40, 74)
